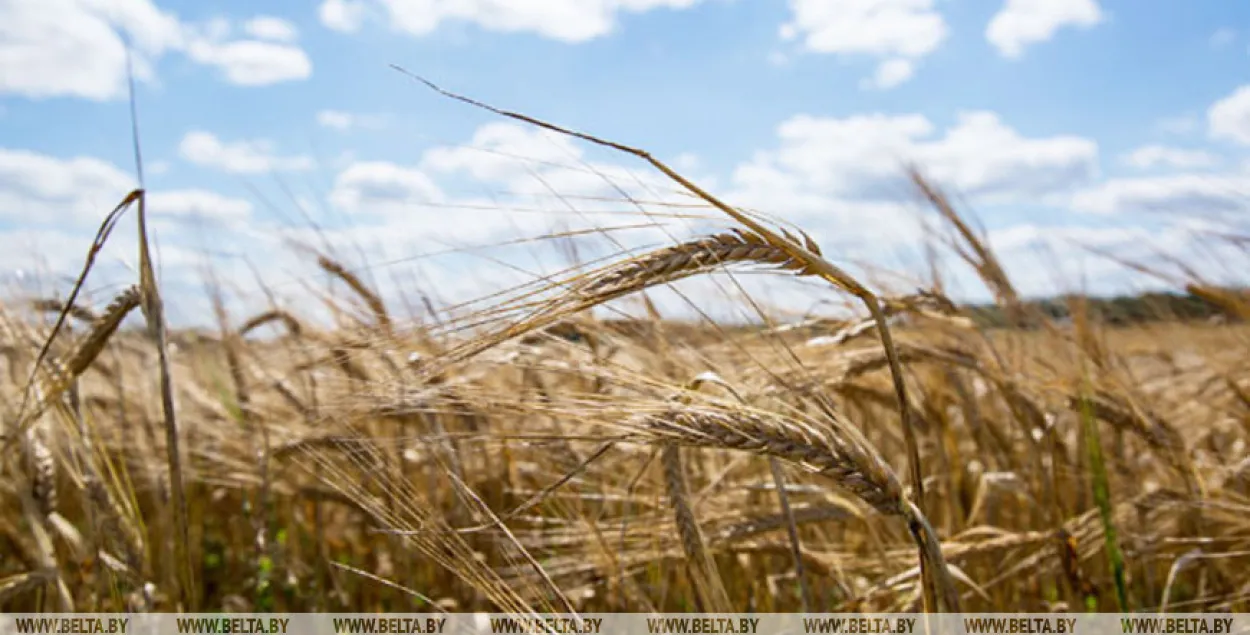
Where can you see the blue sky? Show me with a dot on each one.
(1120, 124)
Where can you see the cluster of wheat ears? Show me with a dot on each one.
(531, 457)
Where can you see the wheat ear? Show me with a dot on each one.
(838, 453)
(52, 386)
(371, 299)
(706, 578)
(290, 322)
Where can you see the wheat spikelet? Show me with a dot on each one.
(289, 322)
(686, 259)
(661, 266)
(837, 453)
(42, 475)
(288, 394)
(848, 462)
(706, 577)
(52, 305)
(19, 583)
(371, 299)
(763, 524)
(54, 384)
(103, 329)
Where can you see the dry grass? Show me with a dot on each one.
(531, 456)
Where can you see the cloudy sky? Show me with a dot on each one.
(1121, 125)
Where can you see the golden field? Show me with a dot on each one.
(530, 455)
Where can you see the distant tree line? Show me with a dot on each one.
(1122, 310)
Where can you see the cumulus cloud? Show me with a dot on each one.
(239, 157)
(58, 203)
(75, 48)
(1229, 118)
(340, 120)
(1197, 194)
(267, 27)
(342, 15)
(379, 187)
(505, 182)
(1022, 23)
(70, 47)
(899, 30)
(891, 73)
(564, 20)
(861, 157)
(201, 203)
(36, 187)
(256, 62)
(1154, 156)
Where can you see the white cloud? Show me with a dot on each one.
(900, 30)
(910, 28)
(564, 20)
(267, 27)
(1223, 37)
(77, 192)
(75, 48)
(843, 180)
(499, 151)
(861, 157)
(1229, 118)
(335, 119)
(55, 206)
(524, 183)
(1021, 23)
(1152, 156)
(240, 157)
(342, 15)
(891, 73)
(253, 62)
(195, 202)
(1196, 194)
(1049, 260)
(538, 163)
(36, 187)
(378, 187)
(339, 120)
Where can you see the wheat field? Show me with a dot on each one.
(533, 455)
